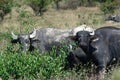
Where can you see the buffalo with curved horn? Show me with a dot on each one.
(45, 38)
(23, 39)
(102, 48)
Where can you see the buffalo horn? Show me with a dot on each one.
(33, 34)
(92, 33)
(14, 36)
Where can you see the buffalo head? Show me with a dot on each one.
(23, 39)
(83, 38)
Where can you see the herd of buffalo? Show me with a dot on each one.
(101, 45)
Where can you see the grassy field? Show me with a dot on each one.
(22, 19)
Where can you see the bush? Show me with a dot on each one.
(6, 5)
(109, 6)
(57, 4)
(17, 65)
(39, 5)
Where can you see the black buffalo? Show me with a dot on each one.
(101, 48)
(80, 54)
(43, 39)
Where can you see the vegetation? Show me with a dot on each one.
(6, 5)
(39, 6)
(109, 6)
(15, 64)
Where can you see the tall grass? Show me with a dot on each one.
(33, 65)
(15, 64)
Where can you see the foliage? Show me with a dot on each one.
(39, 5)
(40, 2)
(57, 3)
(107, 7)
(6, 5)
(83, 2)
(18, 65)
(103, 0)
(15, 64)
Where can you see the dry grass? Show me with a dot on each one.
(52, 18)
(23, 19)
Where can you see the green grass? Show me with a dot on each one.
(32, 65)
(15, 64)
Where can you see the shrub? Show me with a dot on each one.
(6, 5)
(18, 65)
(109, 6)
(39, 5)
(57, 3)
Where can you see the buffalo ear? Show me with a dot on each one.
(73, 38)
